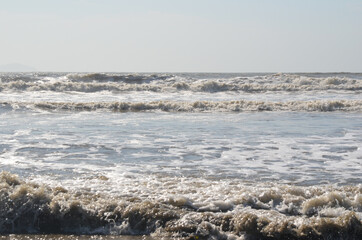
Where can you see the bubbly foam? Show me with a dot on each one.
(290, 147)
(203, 86)
(279, 169)
(199, 106)
(179, 207)
(96, 82)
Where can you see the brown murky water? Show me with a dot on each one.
(71, 237)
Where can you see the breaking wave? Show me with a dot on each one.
(95, 82)
(81, 77)
(107, 77)
(198, 106)
(261, 211)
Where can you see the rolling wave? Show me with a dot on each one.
(258, 211)
(165, 83)
(205, 86)
(82, 77)
(108, 77)
(198, 106)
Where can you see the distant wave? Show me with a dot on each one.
(200, 86)
(95, 82)
(198, 106)
(107, 77)
(82, 77)
(259, 211)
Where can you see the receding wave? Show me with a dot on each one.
(198, 106)
(260, 211)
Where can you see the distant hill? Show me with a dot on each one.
(16, 67)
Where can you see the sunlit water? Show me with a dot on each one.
(296, 163)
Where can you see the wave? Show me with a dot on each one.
(108, 77)
(261, 211)
(165, 83)
(198, 106)
(82, 77)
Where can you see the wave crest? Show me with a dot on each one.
(260, 211)
(109, 77)
(198, 106)
(120, 83)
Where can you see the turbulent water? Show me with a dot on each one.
(182, 156)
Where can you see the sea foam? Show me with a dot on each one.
(261, 211)
(198, 106)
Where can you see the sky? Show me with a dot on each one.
(182, 35)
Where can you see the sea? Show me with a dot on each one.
(180, 155)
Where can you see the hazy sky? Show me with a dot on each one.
(182, 35)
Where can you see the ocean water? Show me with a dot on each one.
(181, 155)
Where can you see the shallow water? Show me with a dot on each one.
(208, 156)
(293, 148)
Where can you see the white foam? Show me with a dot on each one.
(198, 106)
